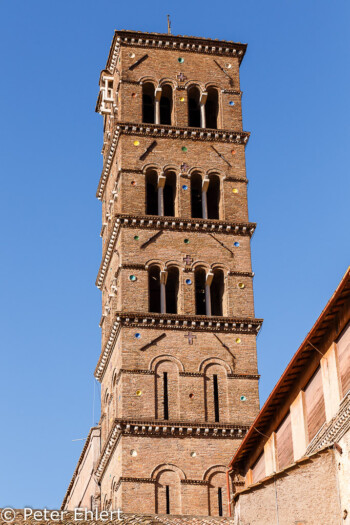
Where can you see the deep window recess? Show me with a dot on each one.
(154, 289)
(148, 103)
(167, 496)
(217, 293)
(216, 398)
(212, 109)
(200, 291)
(171, 290)
(196, 196)
(213, 197)
(151, 193)
(165, 395)
(220, 500)
(170, 194)
(166, 102)
(194, 117)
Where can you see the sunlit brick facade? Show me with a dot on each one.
(178, 366)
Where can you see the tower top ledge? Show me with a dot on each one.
(184, 43)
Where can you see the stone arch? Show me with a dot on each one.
(196, 169)
(164, 81)
(212, 85)
(172, 262)
(195, 83)
(213, 470)
(150, 167)
(220, 266)
(200, 264)
(159, 468)
(214, 360)
(169, 167)
(155, 262)
(146, 79)
(215, 171)
(165, 357)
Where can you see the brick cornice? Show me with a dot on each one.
(168, 429)
(133, 480)
(134, 371)
(199, 323)
(164, 131)
(195, 482)
(167, 223)
(185, 44)
(243, 376)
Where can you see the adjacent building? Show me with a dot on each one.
(293, 466)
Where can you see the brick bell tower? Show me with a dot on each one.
(178, 364)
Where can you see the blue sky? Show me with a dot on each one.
(295, 78)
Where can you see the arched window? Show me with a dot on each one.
(171, 290)
(217, 293)
(151, 193)
(169, 194)
(154, 289)
(213, 197)
(212, 109)
(194, 116)
(217, 494)
(148, 103)
(167, 391)
(216, 401)
(196, 196)
(166, 105)
(168, 490)
(199, 279)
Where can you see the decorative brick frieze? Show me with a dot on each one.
(165, 223)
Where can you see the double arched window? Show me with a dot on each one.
(157, 104)
(203, 108)
(160, 193)
(163, 290)
(209, 292)
(205, 196)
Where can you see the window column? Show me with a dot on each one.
(202, 101)
(157, 97)
(208, 280)
(163, 278)
(160, 186)
(205, 186)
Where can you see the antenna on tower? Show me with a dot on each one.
(169, 24)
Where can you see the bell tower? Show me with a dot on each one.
(178, 364)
